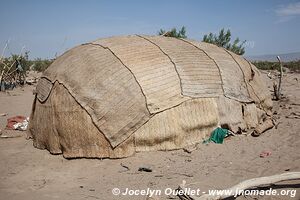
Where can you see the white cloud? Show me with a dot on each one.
(291, 9)
(287, 12)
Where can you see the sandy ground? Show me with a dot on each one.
(30, 173)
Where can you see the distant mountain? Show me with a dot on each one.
(284, 57)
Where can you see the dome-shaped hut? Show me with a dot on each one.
(120, 95)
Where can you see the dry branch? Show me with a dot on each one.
(277, 90)
(248, 184)
(280, 78)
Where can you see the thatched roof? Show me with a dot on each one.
(125, 83)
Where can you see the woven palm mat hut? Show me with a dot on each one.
(117, 96)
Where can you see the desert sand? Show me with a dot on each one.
(30, 173)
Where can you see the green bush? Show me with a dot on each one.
(37, 64)
(40, 64)
(180, 33)
(223, 39)
(266, 65)
(294, 66)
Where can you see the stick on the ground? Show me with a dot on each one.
(251, 183)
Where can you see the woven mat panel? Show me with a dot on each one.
(231, 114)
(199, 75)
(186, 124)
(234, 85)
(261, 90)
(78, 136)
(152, 69)
(257, 87)
(104, 88)
(42, 128)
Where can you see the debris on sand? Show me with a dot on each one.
(17, 123)
(265, 153)
(126, 168)
(145, 169)
(31, 81)
(293, 115)
(190, 149)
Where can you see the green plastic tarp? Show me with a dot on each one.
(217, 136)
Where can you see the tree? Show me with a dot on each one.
(223, 40)
(173, 33)
(41, 65)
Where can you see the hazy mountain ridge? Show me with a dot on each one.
(272, 57)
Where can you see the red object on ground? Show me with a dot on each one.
(264, 154)
(13, 120)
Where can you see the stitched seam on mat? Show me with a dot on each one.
(54, 121)
(240, 69)
(250, 84)
(168, 57)
(222, 83)
(73, 96)
(126, 67)
(253, 89)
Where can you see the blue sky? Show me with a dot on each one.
(51, 27)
